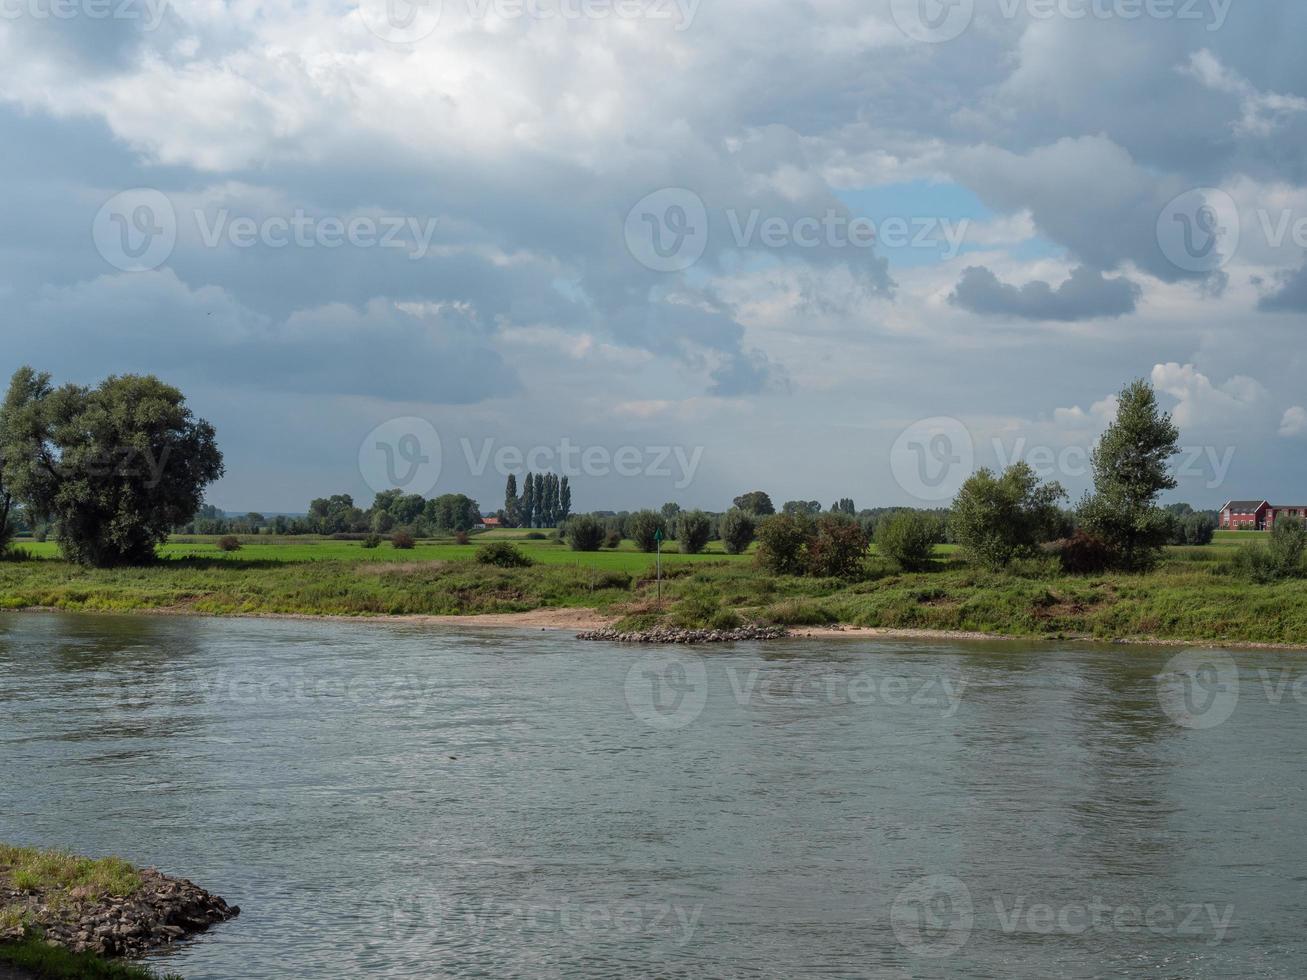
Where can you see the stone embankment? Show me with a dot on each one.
(669, 634)
(161, 912)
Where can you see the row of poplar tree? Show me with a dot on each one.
(545, 501)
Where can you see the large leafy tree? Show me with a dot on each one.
(23, 463)
(755, 502)
(564, 499)
(998, 518)
(1130, 467)
(115, 467)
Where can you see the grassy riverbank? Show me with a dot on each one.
(1190, 597)
(64, 883)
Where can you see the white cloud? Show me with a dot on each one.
(1294, 422)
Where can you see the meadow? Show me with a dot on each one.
(1189, 597)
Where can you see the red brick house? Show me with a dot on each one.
(1256, 515)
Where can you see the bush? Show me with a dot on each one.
(644, 527)
(737, 531)
(996, 519)
(783, 543)
(693, 529)
(1281, 558)
(503, 554)
(229, 542)
(536, 536)
(1195, 529)
(909, 538)
(372, 541)
(1082, 554)
(461, 537)
(837, 548)
(584, 533)
(613, 539)
(402, 541)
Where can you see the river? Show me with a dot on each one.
(385, 800)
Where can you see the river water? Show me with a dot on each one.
(395, 801)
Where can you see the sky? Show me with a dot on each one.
(673, 249)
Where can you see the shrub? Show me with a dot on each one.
(693, 528)
(536, 536)
(1197, 529)
(402, 540)
(783, 543)
(503, 554)
(461, 537)
(229, 542)
(1281, 558)
(613, 539)
(644, 526)
(909, 538)
(584, 533)
(1081, 554)
(996, 519)
(837, 548)
(372, 541)
(737, 531)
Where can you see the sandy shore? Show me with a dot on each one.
(579, 620)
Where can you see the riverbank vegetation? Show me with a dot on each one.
(1193, 594)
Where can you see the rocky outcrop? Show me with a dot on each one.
(669, 634)
(162, 911)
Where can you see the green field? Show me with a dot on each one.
(1190, 597)
(267, 549)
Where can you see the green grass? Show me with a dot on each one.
(1190, 597)
(41, 960)
(32, 870)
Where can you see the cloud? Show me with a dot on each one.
(1290, 294)
(1294, 422)
(1262, 112)
(1086, 295)
(1206, 405)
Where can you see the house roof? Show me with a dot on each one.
(1246, 505)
